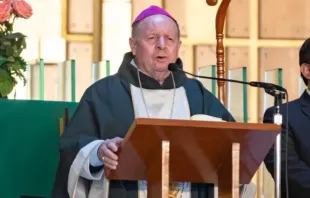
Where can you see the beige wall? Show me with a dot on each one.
(66, 34)
(116, 31)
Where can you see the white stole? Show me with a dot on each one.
(159, 104)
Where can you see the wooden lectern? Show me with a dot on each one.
(223, 153)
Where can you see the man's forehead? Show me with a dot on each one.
(157, 22)
(157, 19)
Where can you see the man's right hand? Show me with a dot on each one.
(106, 152)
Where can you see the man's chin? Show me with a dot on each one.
(161, 67)
(161, 70)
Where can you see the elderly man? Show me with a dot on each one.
(142, 88)
(298, 133)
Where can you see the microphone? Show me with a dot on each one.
(269, 87)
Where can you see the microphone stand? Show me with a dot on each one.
(278, 93)
(277, 119)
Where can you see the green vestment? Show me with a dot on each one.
(106, 111)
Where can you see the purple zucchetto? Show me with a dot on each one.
(152, 10)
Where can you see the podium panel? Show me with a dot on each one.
(66, 81)
(41, 77)
(203, 148)
(100, 70)
(211, 85)
(237, 95)
(274, 77)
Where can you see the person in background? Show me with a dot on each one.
(298, 142)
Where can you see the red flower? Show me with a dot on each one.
(22, 8)
(7, 1)
(5, 11)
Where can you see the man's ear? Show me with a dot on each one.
(133, 45)
(305, 70)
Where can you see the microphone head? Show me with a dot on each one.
(172, 67)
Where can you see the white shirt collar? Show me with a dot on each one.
(136, 66)
(133, 63)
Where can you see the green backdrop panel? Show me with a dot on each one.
(29, 146)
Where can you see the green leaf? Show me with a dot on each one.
(2, 60)
(6, 83)
(7, 66)
(6, 43)
(24, 44)
(21, 61)
(16, 53)
(20, 42)
(14, 36)
(9, 26)
(11, 59)
(16, 65)
(9, 51)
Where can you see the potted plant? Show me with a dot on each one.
(12, 65)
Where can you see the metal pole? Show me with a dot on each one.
(94, 72)
(277, 119)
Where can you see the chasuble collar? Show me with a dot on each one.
(128, 72)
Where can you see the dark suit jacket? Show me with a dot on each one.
(298, 147)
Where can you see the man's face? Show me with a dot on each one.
(156, 44)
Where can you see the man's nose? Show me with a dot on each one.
(161, 43)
